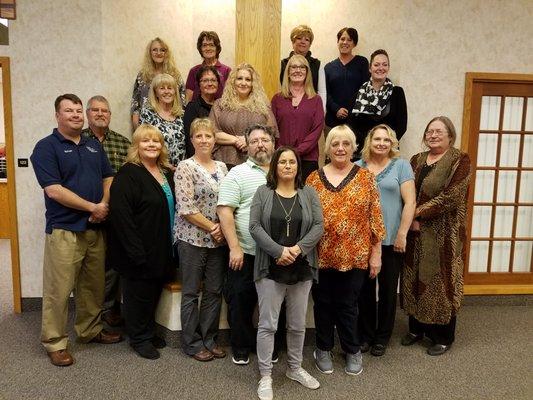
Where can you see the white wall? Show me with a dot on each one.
(96, 46)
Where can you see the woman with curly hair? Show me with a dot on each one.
(158, 59)
(242, 104)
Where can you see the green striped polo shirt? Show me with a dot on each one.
(237, 190)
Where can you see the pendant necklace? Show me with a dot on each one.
(287, 214)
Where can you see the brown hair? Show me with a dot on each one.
(209, 35)
(67, 96)
(450, 128)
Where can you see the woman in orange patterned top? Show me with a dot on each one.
(349, 249)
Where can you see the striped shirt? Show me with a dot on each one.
(237, 190)
(115, 146)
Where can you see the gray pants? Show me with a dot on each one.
(199, 325)
(271, 295)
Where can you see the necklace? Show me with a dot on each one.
(287, 214)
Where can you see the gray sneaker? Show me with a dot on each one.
(354, 363)
(323, 361)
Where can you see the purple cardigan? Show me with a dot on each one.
(299, 126)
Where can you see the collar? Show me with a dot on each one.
(216, 65)
(63, 139)
(253, 165)
(308, 55)
(92, 135)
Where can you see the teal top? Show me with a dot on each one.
(170, 201)
(389, 181)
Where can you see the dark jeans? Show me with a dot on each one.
(376, 317)
(140, 298)
(241, 296)
(439, 334)
(335, 297)
(201, 265)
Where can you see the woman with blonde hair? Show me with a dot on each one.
(299, 113)
(396, 186)
(158, 59)
(139, 237)
(243, 103)
(164, 110)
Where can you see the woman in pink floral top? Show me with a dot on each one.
(200, 243)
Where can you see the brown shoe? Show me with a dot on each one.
(112, 319)
(203, 355)
(61, 358)
(218, 352)
(105, 337)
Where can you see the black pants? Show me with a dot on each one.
(335, 297)
(140, 298)
(308, 166)
(241, 296)
(376, 317)
(439, 334)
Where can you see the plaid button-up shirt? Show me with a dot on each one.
(115, 146)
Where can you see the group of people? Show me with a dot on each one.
(226, 185)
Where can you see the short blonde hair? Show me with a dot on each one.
(202, 124)
(341, 130)
(144, 131)
(308, 84)
(394, 150)
(162, 80)
(302, 30)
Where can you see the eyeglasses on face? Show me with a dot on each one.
(208, 80)
(295, 67)
(437, 132)
(255, 142)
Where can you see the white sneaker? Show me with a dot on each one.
(264, 390)
(302, 376)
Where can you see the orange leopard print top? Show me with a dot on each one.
(352, 219)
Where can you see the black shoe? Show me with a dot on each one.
(410, 339)
(438, 349)
(147, 351)
(158, 342)
(365, 347)
(378, 349)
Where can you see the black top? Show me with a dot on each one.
(424, 171)
(394, 115)
(314, 64)
(198, 108)
(139, 243)
(300, 270)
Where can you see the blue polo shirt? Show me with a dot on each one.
(80, 168)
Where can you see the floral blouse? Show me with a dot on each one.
(196, 192)
(352, 219)
(172, 131)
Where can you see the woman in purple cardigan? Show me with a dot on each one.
(299, 113)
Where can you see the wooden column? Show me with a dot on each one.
(258, 39)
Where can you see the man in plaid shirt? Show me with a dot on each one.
(116, 148)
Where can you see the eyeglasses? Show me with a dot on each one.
(297, 67)
(436, 132)
(208, 46)
(213, 80)
(102, 110)
(156, 50)
(255, 142)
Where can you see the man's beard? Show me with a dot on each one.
(262, 157)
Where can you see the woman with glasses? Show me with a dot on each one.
(158, 59)
(432, 276)
(299, 113)
(243, 103)
(208, 45)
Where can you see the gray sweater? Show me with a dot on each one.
(310, 233)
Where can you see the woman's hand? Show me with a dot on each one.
(415, 226)
(342, 113)
(286, 257)
(240, 143)
(295, 251)
(216, 233)
(400, 242)
(374, 263)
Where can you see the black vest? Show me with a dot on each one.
(314, 63)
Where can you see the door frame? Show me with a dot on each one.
(468, 146)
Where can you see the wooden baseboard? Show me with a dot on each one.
(173, 286)
(497, 289)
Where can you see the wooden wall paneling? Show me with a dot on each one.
(4, 212)
(258, 39)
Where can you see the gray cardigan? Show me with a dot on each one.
(310, 233)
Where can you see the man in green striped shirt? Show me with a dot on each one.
(235, 196)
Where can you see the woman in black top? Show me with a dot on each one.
(378, 101)
(208, 80)
(139, 241)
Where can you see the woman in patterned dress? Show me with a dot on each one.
(349, 250)
(164, 110)
(158, 59)
(201, 246)
(432, 277)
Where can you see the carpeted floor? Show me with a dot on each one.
(492, 358)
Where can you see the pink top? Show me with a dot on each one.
(301, 126)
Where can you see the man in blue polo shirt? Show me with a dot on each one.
(75, 175)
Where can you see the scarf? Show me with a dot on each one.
(370, 101)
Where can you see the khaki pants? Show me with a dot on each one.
(73, 262)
